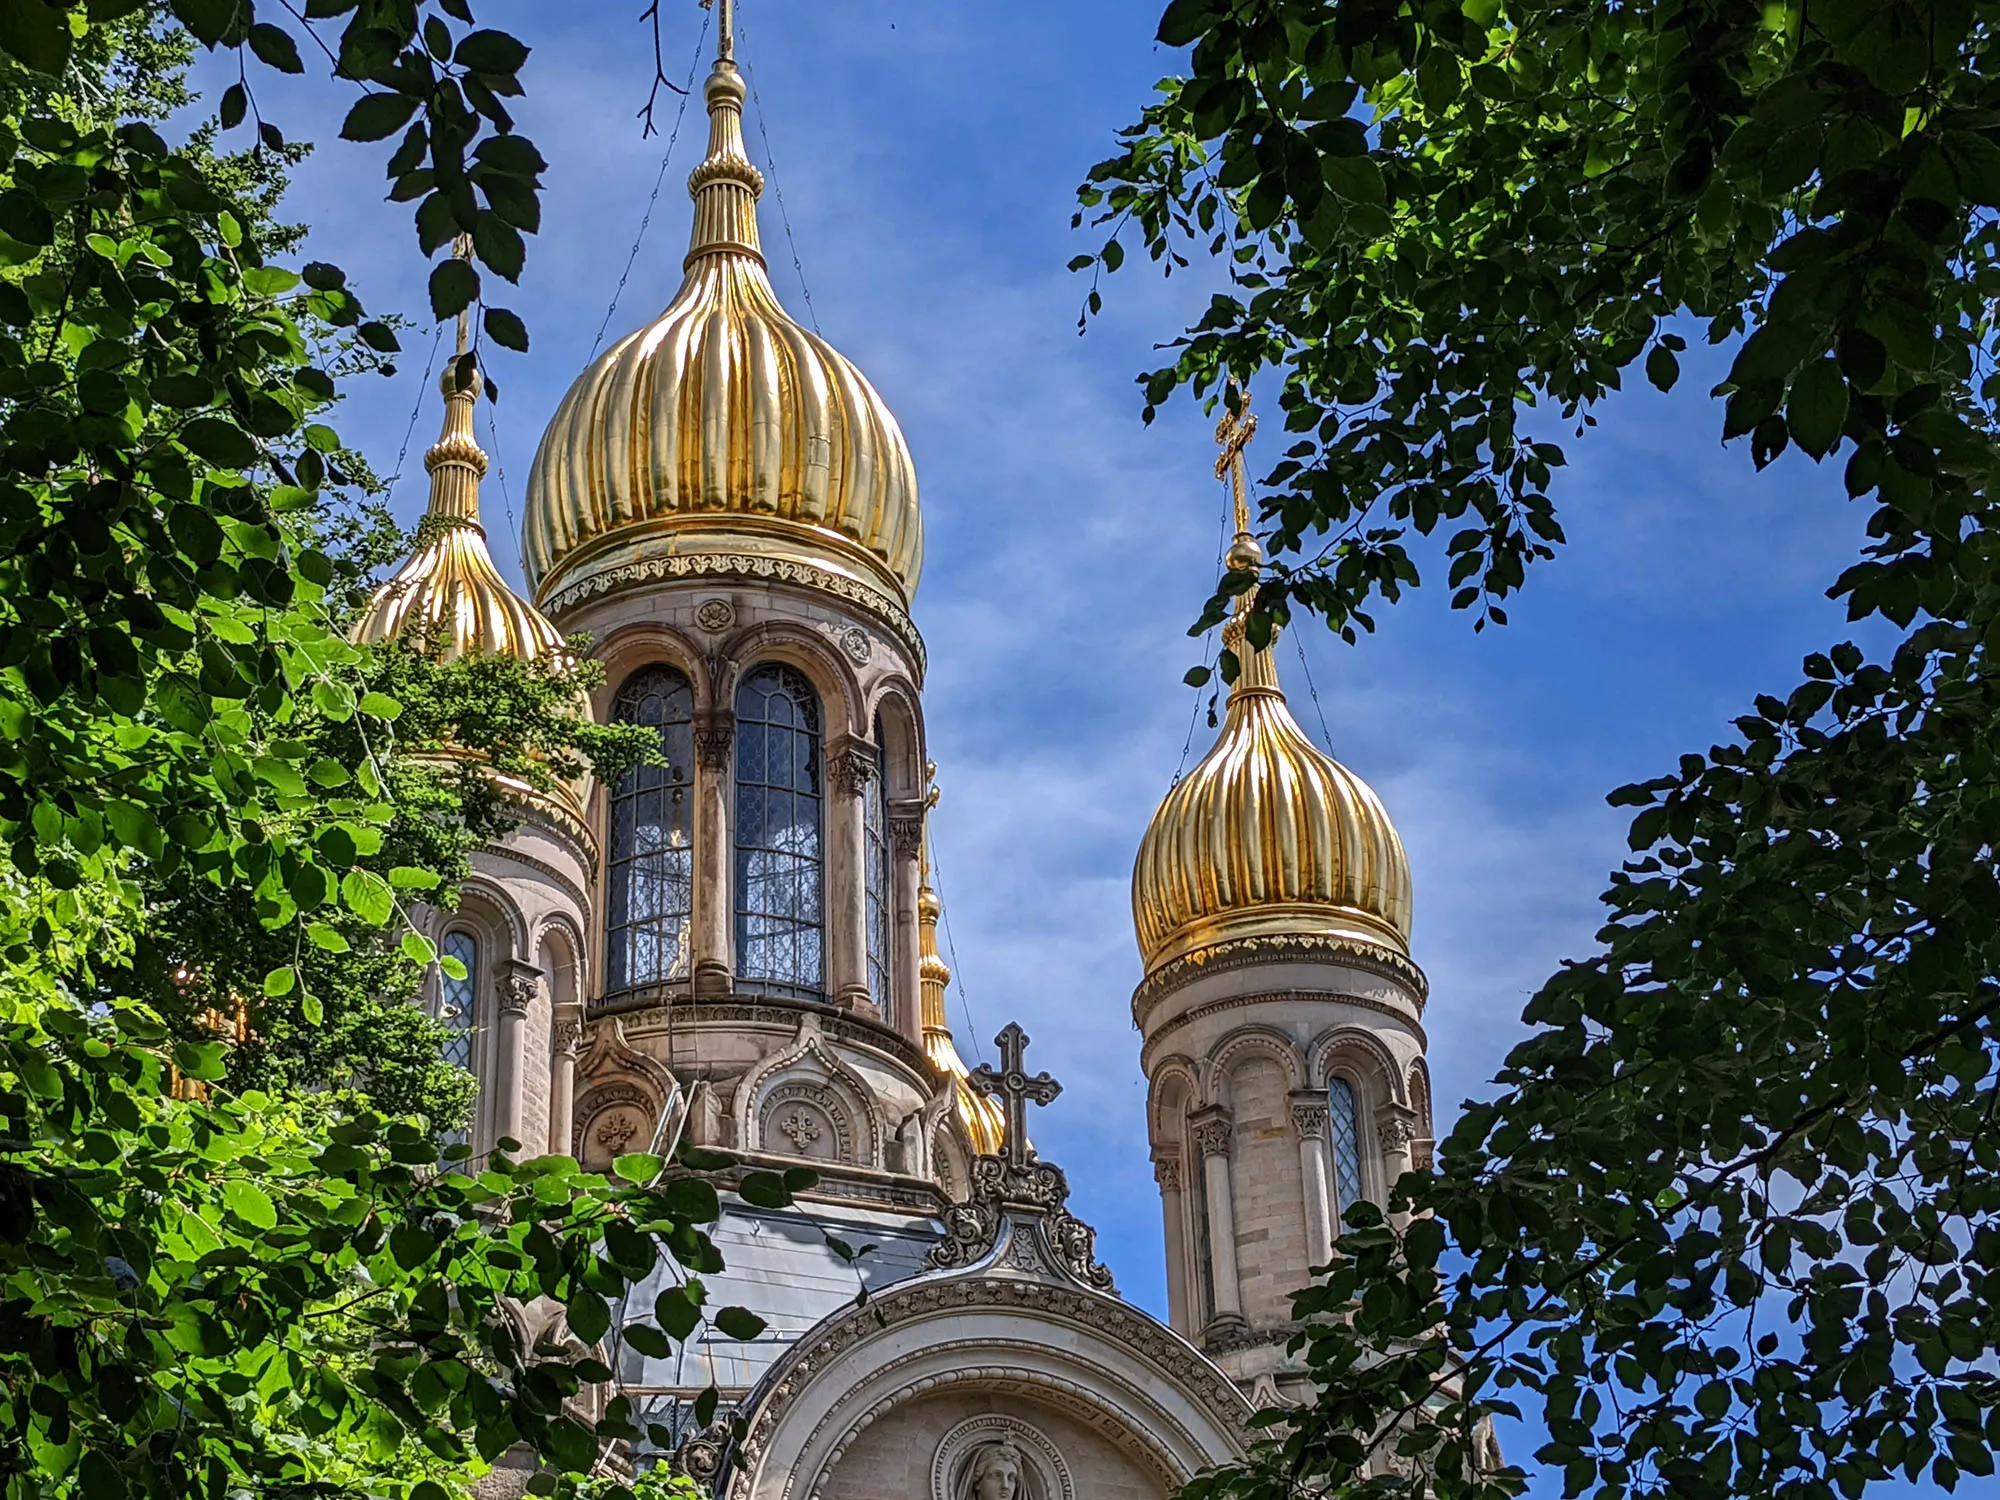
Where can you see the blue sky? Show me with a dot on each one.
(927, 156)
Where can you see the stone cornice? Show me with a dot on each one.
(884, 610)
(1253, 952)
(763, 1010)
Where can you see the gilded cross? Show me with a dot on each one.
(1234, 432)
(725, 28)
(1015, 1090)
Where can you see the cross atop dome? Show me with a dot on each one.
(1015, 1090)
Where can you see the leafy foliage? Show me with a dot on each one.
(1731, 1223)
(207, 793)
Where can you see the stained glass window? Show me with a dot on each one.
(779, 905)
(650, 861)
(880, 872)
(1344, 1126)
(455, 1007)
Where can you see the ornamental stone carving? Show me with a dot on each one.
(851, 767)
(997, 1457)
(714, 733)
(515, 989)
(715, 615)
(1167, 1173)
(855, 642)
(1309, 1120)
(907, 836)
(1212, 1136)
(566, 1039)
(1395, 1134)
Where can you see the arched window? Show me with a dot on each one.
(875, 819)
(650, 862)
(779, 946)
(455, 1008)
(1344, 1126)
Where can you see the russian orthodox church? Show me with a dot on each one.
(738, 947)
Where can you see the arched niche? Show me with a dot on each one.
(832, 676)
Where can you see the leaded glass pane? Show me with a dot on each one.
(779, 905)
(880, 903)
(455, 1008)
(1345, 1127)
(650, 863)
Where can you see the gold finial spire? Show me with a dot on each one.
(1256, 670)
(456, 462)
(725, 187)
(980, 1115)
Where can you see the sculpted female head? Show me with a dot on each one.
(996, 1473)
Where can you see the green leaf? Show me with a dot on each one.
(454, 288)
(1183, 22)
(36, 34)
(678, 1311)
(649, 1341)
(376, 117)
(326, 938)
(420, 949)
(589, 1316)
(250, 1203)
(279, 982)
(506, 330)
(381, 706)
(763, 1190)
(219, 441)
(368, 896)
(739, 1323)
(490, 52)
(637, 1166)
(1662, 368)
(1817, 408)
(275, 48)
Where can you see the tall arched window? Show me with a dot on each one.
(650, 865)
(875, 819)
(779, 907)
(455, 1008)
(1344, 1126)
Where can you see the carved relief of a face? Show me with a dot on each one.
(996, 1473)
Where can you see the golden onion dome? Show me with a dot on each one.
(448, 590)
(448, 594)
(985, 1124)
(1267, 838)
(723, 436)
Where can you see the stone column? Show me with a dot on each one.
(1212, 1131)
(1173, 1213)
(714, 891)
(906, 847)
(1309, 1111)
(1396, 1129)
(567, 1041)
(850, 767)
(515, 990)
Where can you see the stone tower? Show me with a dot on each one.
(1280, 1009)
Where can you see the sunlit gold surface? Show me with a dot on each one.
(1267, 837)
(449, 590)
(723, 423)
(984, 1123)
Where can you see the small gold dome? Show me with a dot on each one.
(985, 1124)
(723, 429)
(1268, 838)
(448, 587)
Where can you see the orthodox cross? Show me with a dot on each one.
(1234, 432)
(725, 28)
(1015, 1090)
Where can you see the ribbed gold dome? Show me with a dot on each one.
(723, 430)
(448, 588)
(1268, 837)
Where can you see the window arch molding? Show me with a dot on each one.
(807, 652)
(900, 733)
(650, 836)
(630, 648)
(495, 926)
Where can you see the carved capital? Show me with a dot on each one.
(1395, 1135)
(850, 765)
(1167, 1172)
(516, 988)
(1212, 1131)
(566, 1039)
(907, 836)
(714, 733)
(1309, 1118)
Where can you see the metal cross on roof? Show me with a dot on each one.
(1015, 1090)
